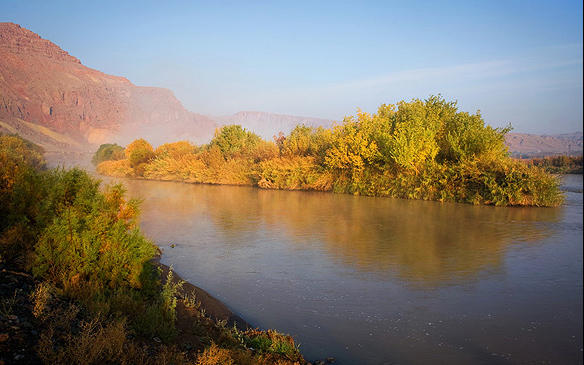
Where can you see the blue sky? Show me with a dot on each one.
(518, 62)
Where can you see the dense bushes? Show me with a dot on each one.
(422, 149)
(18, 158)
(93, 242)
(83, 242)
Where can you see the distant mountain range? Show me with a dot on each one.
(533, 145)
(49, 97)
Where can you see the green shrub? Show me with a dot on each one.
(108, 152)
(271, 342)
(233, 140)
(22, 192)
(93, 242)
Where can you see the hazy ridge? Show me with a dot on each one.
(541, 145)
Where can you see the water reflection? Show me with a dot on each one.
(372, 280)
(426, 243)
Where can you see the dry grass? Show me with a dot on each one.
(41, 298)
(68, 339)
(214, 355)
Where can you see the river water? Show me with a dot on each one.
(378, 280)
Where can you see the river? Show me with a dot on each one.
(378, 280)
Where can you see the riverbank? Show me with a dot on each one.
(211, 306)
(83, 280)
(201, 321)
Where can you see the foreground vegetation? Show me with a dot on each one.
(77, 270)
(416, 150)
(558, 164)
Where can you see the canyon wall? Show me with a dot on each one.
(48, 96)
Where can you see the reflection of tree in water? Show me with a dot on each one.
(424, 242)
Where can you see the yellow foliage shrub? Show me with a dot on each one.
(187, 168)
(234, 172)
(175, 149)
(293, 173)
(139, 151)
(119, 168)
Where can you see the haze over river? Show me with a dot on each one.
(378, 280)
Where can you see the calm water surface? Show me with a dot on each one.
(377, 280)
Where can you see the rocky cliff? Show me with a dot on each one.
(49, 97)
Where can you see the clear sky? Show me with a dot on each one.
(519, 62)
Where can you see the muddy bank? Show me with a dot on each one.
(212, 306)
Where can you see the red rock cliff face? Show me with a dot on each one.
(44, 85)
